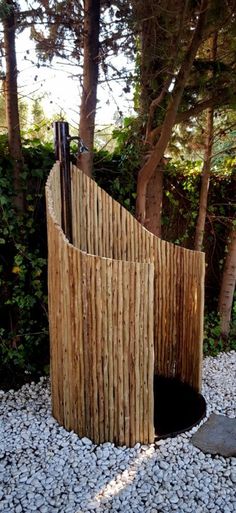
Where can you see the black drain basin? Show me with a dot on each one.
(177, 407)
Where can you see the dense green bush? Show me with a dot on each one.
(24, 348)
(23, 267)
(213, 343)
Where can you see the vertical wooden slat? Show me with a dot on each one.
(76, 207)
(95, 219)
(118, 231)
(150, 353)
(89, 347)
(77, 326)
(99, 225)
(141, 351)
(185, 315)
(111, 227)
(85, 338)
(111, 405)
(114, 225)
(191, 332)
(126, 349)
(104, 228)
(128, 231)
(120, 355)
(89, 216)
(104, 342)
(53, 284)
(115, 293)
(200, 317)
(93, 368)
(144, 356)
(81, 347)
(169, 320)
(123, 235)
(174, 329)
(137, 352)
(71, 334)
(100, 376)
(159, 302)
(132, 239)
(59, 321)
(135, 240)
(81, 213)
(132, 355)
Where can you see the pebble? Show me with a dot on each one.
(233, 477)
(46, 469)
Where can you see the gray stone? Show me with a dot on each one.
(217, 436)
(174, 499)
(163, 465)
(233, 476)
(86, 441)
(18, 508)
(168, 477)
(158, 498)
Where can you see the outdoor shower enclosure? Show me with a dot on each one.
(124, 306)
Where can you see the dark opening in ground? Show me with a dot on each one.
(177, 407)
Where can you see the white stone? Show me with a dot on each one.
(233, 476)
(86, 441)
(50, 470)
(163, 465)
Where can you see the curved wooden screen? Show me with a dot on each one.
(123, 305)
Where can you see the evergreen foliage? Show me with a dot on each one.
(172, 76)
(23, 267)
(24, 348)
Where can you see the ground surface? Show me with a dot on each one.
(44, 468)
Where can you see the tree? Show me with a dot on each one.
(76, 30)
(157, 153)
(161, 26)
(172, 101)
(206, 170)
(90, 82)
(11, 99)
(228, 284)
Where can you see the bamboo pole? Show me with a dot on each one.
(93, 368)
(120, 355)
(150, 362)
(132, 354)
(115, 293)
(111, 405)
(141, 350)
(126, 350)
(144, 357)
(105, 356)
(85, 338)
(137, 352)
(100, 376)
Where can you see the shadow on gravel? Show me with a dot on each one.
(177, 407)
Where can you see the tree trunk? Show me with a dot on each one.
(149, 167)
(154, 202)
(228, 285)
(12, 110)
(90, 81)
(206, 170)
(205, 181)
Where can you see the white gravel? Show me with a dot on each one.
(44, 468)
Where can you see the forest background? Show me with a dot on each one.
(172, 162)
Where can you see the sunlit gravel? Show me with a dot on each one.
(46, 469)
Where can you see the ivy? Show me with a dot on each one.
(24, 342)
(23, 267)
